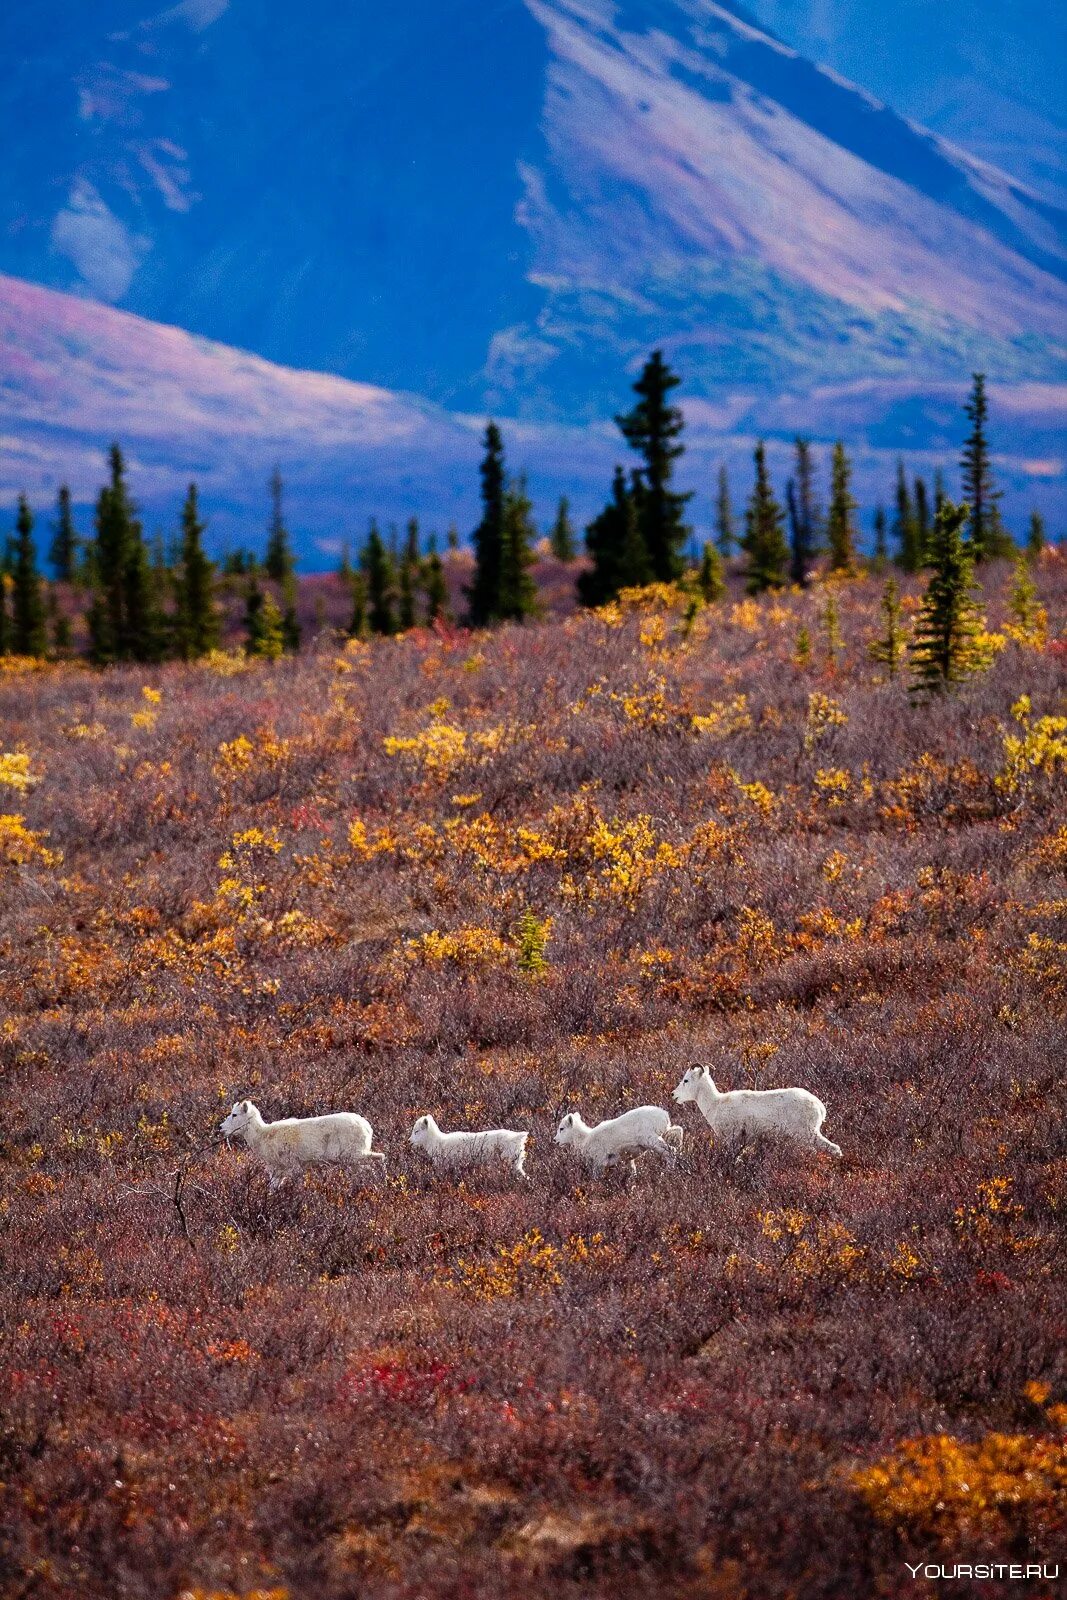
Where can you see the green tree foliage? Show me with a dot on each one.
(710, 580)
(616, 546)
(279, 563)
(922, 518)
(943, 647)
(124, 619)
(518, 594)
(910, 552)
(881, 542)
(725, 522)
(1023, 604)
(28, 634)
(764, 539)
(840, 518)
(263, 622)
(63, 553)
(653, 428)
(408, 578)
(888, 648)
(532, 935)
(291, 630)
(434, 587)
(381, 595)
(985, 530)
(357, 623)
(196, 622)
(1035, 535)
(483, 596)
(561, 538)
(805, 518)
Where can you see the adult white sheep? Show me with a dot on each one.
(621, 1138)
(286, 1147)
(471, 1149)
(790, 1113)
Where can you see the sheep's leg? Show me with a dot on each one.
(826, 1144)
(519, 1167)
(662, 1148)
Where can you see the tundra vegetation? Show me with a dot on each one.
(493, 876)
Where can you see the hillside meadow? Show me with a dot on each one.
(498, 876)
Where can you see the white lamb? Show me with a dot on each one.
(471, 1149)
(791, 1113)
(621, 1138)
(285, 1147)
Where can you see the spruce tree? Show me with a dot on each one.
(653, 429)
(483, 596)
(942, 650)
(518, 596)
(263, 622)
(984, 529)
(840, 522)
(115, 564)
(196, 620)
(291, 630)
(145, 625)
(616, 546)
(881, 544)
(889, 647)
(357, 622)
(378, 569)
(710, 579)
(725, 525)
(1035, 536)
(434, 587)
(406, 596)
(804, 515)
(64, 549)
(561, 538)
(28, 636)
(344, 565)
(922, 519)
(764, 540)
(279, 563)
(910, 553)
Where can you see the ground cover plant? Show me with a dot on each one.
(494, 877)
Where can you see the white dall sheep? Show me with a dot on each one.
(471, 1149)
(790, 1113)
(620, 1138)
(285, 1147)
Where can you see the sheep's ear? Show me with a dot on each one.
(246, 1105)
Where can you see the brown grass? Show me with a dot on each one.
(721, 1382)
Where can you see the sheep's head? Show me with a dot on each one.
(568, 1128)
(690, 1084)
(421, 1131)
(234, 1125)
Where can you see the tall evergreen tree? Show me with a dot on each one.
(979, 490)
(518, 596)
(378, 569)
(561, 537)
(840, 518)
(263, 621)
(805, 518)
(889, 647)
(291, 630)
(942, 650)
(28, 635)
(63, 553)
(434, 587)
(881, 543)
(922, 519)
(196, 626)
(483, 596)
(615, 543)
(653, 428)
(906, 527)
(710, 580)
(764, 540)
(725, 523)
(1035, 536)
(122, 617)
(279, 563)
(357, 623)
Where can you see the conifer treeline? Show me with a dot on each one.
(143, 603)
